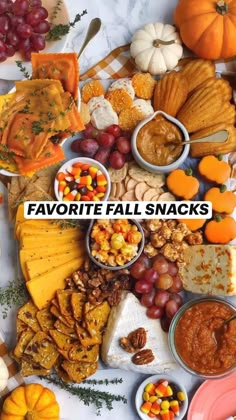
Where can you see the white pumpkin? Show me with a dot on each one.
(4, 374)
(156, 48)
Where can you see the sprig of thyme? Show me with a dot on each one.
(56, 10)
(88, 395)
(114, 381)
(67, 223)
(58, 31)
(23, 69)
(15, 294)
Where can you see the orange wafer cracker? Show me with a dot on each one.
(130, 118)
(119, 100)
(143, 84)
(91, 89)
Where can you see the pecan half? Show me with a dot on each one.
(143, 357)
(126, 345)
(138, 338)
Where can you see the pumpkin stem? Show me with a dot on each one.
(29, 416)
(223, 188)
(222, 7)
(189, 172)
(218, 218)
(157, 43)
(220, 157)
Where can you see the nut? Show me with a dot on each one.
(138, 338)
(143, 357)
(126, 345)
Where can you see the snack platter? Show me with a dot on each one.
(120, 293)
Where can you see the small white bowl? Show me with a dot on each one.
(91, 162)
(155, 168)
(155, 378)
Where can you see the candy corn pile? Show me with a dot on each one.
(162, 400)
(81, 182)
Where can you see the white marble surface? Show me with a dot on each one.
(120, 19)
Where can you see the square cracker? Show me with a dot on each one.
(42, 351)
(27, 314)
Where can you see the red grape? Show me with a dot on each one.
(117, 160)
(102, 155)
(16, 20)
(178, 298)
(88, 147)
(145, 260)
(42, 28)
(24, 30)
(160, 265)
(35, 4)
(154, 312)
(2, 46)
(147, 299)
(123, 145)
(42, 12)
(137, 270)
(13, 38)
(4, 24)
(150, 276)
(24, 44)
(34, 17)
(20, 7)
(10, 50)
(105, 139)
(165, 323)
(3, 56)
(114, 129)
(27, 54)
(161, 298)
(88, 132)
(142, 286)
(3, 6)
(172, 269)
(75, 146)
(164, 281)
(171, 308)
(38, 42)
(177, 285)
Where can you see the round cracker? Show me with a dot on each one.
(155, 197)
(140, 189)
(131, 184)
(120, 190)
(137, 173)
(113, 189)
(117, 175)
(85, 113)
(149, 194)
(129, 196)
(155, 180)
(113, 199)
(167, 197)
(127, 178)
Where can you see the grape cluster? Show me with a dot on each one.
(158, 285)
(22, 25)
(107, 147)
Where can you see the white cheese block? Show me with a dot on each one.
(144, 106)
(124, 318)
(96, 102)
(210, 269)
(104, 116)
(125, 84)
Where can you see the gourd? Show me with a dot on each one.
(223, 201)
(4, 374)
(214, 169)
(156, 48)
(220, 230)
(207, 27)
(182, 184)
(193, 224)
(30, 402)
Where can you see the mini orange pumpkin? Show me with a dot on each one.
(208, 27)
(193, 224)
(182, 184)
(31, 402)
(221, 230)
(214, 169)
(223, 201)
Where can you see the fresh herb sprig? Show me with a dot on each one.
(67, 223)
(23, 69)
(58, 31)
(114, 381)
(88, 395)
(15, 294)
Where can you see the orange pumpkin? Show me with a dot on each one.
(214, 169)
(223, 201)
(208, 27)
(31, 401)
(182, 184)
(220, 230)
(193, 224)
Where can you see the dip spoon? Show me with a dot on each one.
(218, 137)
(218, 332)
(93, 29)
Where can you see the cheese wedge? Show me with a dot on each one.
(30, 242)
(30, 226)
(210, 269)
(127, 316)
(39, 266)
(43, 288)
